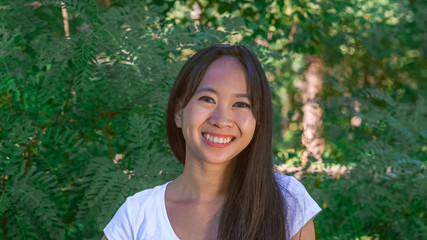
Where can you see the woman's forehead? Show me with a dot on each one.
(226, 74)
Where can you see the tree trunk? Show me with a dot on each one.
(312, 112)
(65, 20)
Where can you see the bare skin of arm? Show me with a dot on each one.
(306, 232)
(104, 238)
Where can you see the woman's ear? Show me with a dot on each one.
(178, 118)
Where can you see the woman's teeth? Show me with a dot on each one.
(217, 139)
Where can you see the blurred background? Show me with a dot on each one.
(84, 87)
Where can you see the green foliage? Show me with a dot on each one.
(384, 193)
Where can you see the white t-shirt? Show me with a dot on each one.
(143, 216)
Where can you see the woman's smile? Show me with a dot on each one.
(217, 140)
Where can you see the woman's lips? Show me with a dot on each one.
(217, 140)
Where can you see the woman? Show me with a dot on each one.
(219, 125)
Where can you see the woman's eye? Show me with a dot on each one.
(242, 105)
(207, 99)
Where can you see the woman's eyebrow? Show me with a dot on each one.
(243, 95)
(207, 89)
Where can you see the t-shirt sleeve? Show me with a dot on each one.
(300, 206)
(121, 226)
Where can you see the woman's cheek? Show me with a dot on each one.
(246, 121)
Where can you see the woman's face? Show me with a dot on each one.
(217, 123)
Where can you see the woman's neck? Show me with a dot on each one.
(203, 182)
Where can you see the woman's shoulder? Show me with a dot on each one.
(300, 206)
(147, 192)
(133, 213)
(293, 190)
(140, 204)
(145, 197)
(289, 185)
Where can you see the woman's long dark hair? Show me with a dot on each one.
(254, 207)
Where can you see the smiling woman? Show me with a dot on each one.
(217, 122)
(219, 125)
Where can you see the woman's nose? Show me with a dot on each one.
(221, 117)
